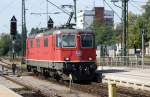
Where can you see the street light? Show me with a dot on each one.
(143, 33)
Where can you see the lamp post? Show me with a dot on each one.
(143, 42)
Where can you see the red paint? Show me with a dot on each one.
(53, 53)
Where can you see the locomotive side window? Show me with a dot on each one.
(37, 43)
(87, 41)
(68, 41)
(58, 41)
(31, 43)
(46, 42)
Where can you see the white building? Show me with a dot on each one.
(148, 50)
(86, 18)
(118, 49)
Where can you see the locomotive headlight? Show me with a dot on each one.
(67, 59)
(90, 59)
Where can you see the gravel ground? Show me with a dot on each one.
(49, 89)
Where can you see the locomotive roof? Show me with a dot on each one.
(49, 32)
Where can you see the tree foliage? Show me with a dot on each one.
(4, 44)
(134, 30)
(146, 19)
(104, 34)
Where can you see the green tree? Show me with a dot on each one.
(4, 44)
(146, 20)
(104, 34)
(134, 30)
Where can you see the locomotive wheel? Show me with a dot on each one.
(28, 68)
(98, 77)
(35, 71)
(57, 77)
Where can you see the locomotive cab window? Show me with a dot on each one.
(68, 40)
(87, 41)
(46, 42)
(31, 43)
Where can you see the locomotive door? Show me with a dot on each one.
(57, 47)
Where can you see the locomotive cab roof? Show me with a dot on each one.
(58, 31)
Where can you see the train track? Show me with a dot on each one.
(25, 91)
(18, 88)
(101, 90)
(98, 89)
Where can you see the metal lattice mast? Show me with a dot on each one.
(24, 32)
(125, 26)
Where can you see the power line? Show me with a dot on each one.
(139, 1)
(33, 13)
(10, 4)
(58, 7)
(112, 9)
(133, 4)
(6, 7)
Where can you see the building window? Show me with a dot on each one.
(31, 43)
(37, 43)
(46, 42)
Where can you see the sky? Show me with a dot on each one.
(8, 8)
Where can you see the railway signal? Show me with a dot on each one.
(50, 23)
(13, 32)
(13, 26)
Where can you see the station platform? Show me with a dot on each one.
(5, 92)
(127, 77)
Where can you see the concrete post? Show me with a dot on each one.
(112, 90)
(70, 82)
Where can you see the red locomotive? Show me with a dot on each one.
(58, 53)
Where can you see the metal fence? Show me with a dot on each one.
(128, 61)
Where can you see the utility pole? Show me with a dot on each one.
(125, 29)
(143, 42)
(75, 10)
(24, 31)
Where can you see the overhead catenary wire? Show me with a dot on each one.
(133, 4)
(139, 1)
(6, 7)
(36, 13)
(58, 7)
(112, 9)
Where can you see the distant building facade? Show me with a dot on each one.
(86, 18)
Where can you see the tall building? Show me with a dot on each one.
(86, 18)
(109, 17)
